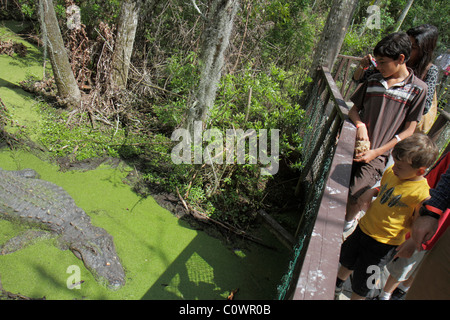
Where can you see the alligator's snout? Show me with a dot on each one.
(100, 257)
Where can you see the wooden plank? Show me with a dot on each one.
(439, 125)
(319, 270)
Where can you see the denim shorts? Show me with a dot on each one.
(365, 256)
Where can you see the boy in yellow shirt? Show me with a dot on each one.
(389, 216)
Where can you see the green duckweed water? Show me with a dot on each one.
(163, 257)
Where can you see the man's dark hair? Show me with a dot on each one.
(393, 45)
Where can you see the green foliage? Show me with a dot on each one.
(94, 11)
(27, 10)
(294, 33)
(360, 40)
(182, 73)
(181, 77)
(271, 104)
(233, 192)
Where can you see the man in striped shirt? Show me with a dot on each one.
(387, 108)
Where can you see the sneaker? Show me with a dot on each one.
(338, 291)
(398, 294)
(380, 297)
(348, 225)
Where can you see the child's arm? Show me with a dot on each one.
(368, 156)
(406, 249)
(361, 130)
(365, 199)
(363, 65)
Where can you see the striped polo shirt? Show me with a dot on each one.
(384, 110)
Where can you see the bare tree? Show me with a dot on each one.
(68, 91)
(123, 48)
(214, 43)
(403, 15)
(333, 34)
(330, 42)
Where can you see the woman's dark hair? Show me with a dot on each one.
(426, 37)
(393, 45)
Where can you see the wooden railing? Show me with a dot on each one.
(345, 67)
(317, 275)
(440, 131)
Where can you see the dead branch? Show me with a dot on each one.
(202, 216)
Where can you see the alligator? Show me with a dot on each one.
(26, 199)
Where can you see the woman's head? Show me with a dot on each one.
(424, 40)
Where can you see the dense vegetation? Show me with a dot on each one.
(267, 64)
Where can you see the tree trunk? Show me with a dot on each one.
(214, 43)
(123, 47)
(330, 42)
(333, 34)
(403, 15)
(68, 91)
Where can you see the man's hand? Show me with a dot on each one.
(366, 157)
(423, 230)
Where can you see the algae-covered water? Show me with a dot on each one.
(164, 258)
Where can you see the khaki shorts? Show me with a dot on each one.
(365, 176)
(402, 268)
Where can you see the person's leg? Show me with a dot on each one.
(401, 271)
(363, 177)
(368, 269)
(352, 210)
(347, 258)
(407, 283)
(343, 273)
(389, 287)
(400, 292)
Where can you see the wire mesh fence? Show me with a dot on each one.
(320, 138)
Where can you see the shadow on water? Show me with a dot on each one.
(207, 270)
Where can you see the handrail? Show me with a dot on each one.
(346, 79)
(319, 268)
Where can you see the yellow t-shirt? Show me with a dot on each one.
(389, 216)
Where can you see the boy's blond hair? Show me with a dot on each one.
(418, 150)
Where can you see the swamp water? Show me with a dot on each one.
(163, 257)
